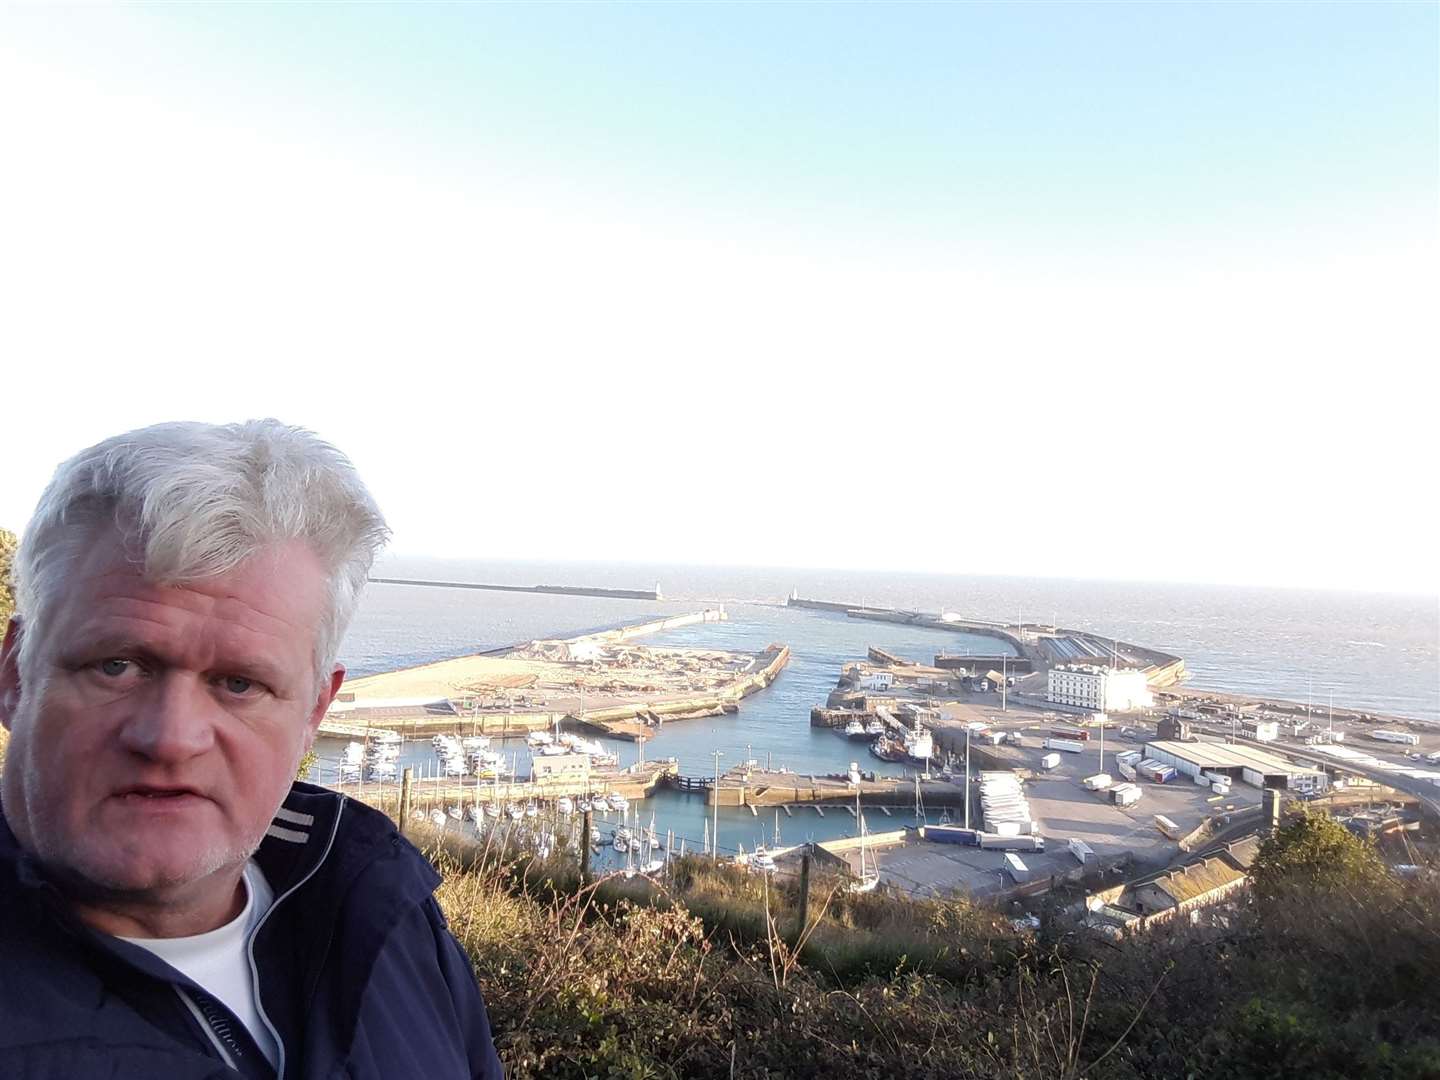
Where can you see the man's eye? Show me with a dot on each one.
(115, 668)
(237, 685)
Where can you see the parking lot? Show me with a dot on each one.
(1063, 810)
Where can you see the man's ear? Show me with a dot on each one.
(10, 674)
(322, 703)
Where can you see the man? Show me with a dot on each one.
(171, 904)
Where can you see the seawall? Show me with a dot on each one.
(555, 590)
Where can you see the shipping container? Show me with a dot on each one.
(1070, 746)
(1168, 827)
(1082, 851)
(1125, 794)
(1098, 782)
(1129, 757)
(1220, 789)
(1405, 738)
(1016, 867)
(1126, 771)
(1050, 761)
(950, 834)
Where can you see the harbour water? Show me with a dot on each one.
(1377, 652)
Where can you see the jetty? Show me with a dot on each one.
(637, 781)
(550, 590)
(759, 787)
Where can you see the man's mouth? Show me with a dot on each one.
(150, 791)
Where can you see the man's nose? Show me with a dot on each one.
(172, 721)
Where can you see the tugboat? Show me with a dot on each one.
(855, 730)
(888, 749)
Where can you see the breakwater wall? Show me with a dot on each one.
(552, 590)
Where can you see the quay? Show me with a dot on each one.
(637, 781)
(549, 590)
(758, 787)
(1040, 647)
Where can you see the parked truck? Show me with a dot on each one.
(1024, 842)
(1082, 851)
(1098, 782)
(1070, 746)
(1050, 762)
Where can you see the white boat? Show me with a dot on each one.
(531, 810)
(437, 817)
(584, 806)
(382, 770)
(919, 746)
(565, 805)
(552, 750)
(875, 728)
(348, 772)
(516, 811)
(869, 877)
(539, 738)
(654, 866)
(855, 730)
(353, 754)
(762, 860)
(492, 809)
(456, 814)
(621, 840)
(473, 813)
(453, 766)
(619, 803)
(389, 738)
(475, 742)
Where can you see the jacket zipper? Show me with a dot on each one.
(250, 945)
(205, 1023)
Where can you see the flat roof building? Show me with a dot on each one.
(1250, 765)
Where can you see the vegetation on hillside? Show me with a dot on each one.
(8, 544)
(710, 977)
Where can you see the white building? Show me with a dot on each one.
(1097, 688)
(1261, 730)
(877, 680)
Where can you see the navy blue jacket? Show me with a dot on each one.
(358, 974)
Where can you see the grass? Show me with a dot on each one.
(710, 977)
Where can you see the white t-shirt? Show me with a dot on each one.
(219, 962)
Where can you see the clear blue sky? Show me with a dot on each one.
(1049, 224)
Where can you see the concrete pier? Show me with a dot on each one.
(551, 590)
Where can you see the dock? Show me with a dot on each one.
(638, 781)
(759, 788)
(546, 590)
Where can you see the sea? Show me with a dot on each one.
(1378, 652)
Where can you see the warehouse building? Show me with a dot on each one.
(1247, 764)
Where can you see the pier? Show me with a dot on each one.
(758, 787)
(638, 781)
(550, 590)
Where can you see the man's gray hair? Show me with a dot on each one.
(196, 500)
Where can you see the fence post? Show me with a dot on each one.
(804, 913)
(404, 821)
(585, 827)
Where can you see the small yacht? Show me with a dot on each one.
(565, 805)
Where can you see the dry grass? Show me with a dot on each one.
(710, 977)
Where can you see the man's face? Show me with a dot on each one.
(160, 727)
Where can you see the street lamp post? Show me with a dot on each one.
(967, 776)
(715, 798)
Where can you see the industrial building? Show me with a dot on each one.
(1248, 764)
(1101, 689)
